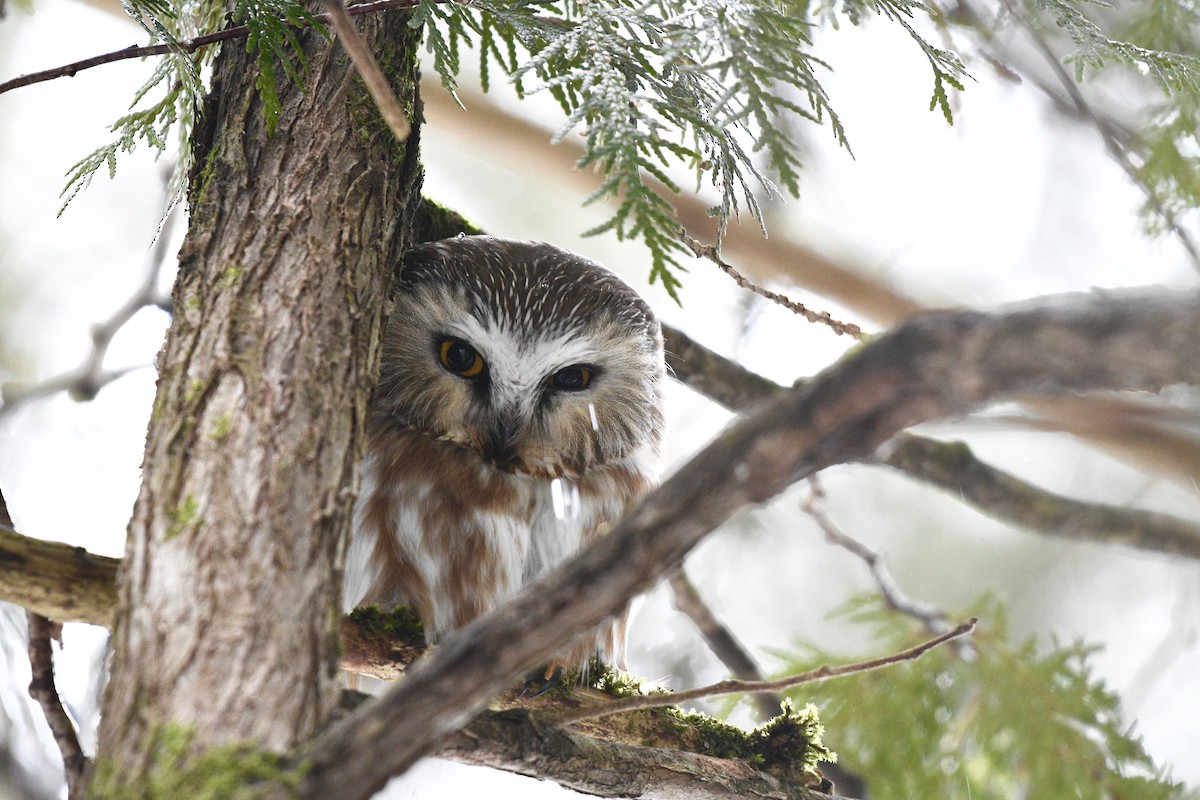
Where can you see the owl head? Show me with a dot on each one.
(537, 360)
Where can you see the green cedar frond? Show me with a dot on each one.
(272, 28)
(704, 83)
(1172, 71)
(1158, 40)
(177, 81)
(947, 68)
(1025, 719)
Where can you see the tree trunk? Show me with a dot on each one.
(230, 589)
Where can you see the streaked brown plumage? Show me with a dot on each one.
(518, 414)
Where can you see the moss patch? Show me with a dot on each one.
(183, 517)
(788, 746)
(230, 772)
(400, 624)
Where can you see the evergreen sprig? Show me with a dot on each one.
(712, 86)
(272, 28)
(175, 90)
(702, 83)
(1009, 720)
(1169, 146)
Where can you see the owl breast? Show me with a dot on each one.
(464, 537)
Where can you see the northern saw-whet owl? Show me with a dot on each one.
(518, 414)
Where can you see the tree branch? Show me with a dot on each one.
(934, 620)
(936, 366)
(368, 69)
(953, 467)
(515, 741)
(86, 380)
(709, 252)
(65, 583)
(720, 379)
(43, 690)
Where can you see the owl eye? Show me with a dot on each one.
(571, 379)
(460, 358)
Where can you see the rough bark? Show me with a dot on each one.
(229, 591)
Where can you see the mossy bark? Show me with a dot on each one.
(229, 592)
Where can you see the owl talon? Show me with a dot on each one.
(543, 680)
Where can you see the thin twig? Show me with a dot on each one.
(709, 252)
(43, 690)
(183, 46)
(931, 618)
(86, 380)
(368, 69)
(757, 687)
(720, 640)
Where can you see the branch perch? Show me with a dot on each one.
(56, 580)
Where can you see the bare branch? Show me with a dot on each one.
(721, 640)
(368, 69)
(720, 379)
(182, 46)
(933, 619)
(755, 687)
(936, 366)
(85, 381)
(709, 252)
(953, 467)
(43, 690)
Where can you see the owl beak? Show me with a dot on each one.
(499, 441)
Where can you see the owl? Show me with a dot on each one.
(518, 414)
